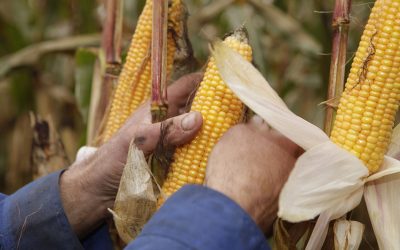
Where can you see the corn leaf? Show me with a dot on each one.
(83, 80)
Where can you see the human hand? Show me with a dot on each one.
(89, 187)
(250, 164)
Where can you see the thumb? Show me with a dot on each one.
(178, 131)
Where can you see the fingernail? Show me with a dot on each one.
(189, 121)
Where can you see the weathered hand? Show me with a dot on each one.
(89, 187)
(250, 164)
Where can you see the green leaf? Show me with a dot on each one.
(84, 60)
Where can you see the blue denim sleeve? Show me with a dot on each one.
(197, 217)
(34, 218)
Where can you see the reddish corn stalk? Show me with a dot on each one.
(340, 26)
(159, 101)
(112, 33)
(111, 53)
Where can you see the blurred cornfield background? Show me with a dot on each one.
(52, 76)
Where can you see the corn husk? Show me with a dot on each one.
(326, 181)
(136, 201)
(348, 234)
(383, 201)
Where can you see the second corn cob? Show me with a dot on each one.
(220, 109)
(369, 103)
(134, 83)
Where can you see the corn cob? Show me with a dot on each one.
(134, 83)
(220, 108)
(368, 105)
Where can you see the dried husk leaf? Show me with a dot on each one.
(48, 152)
(348, 234)
(383, 201)
(326, 180)
(307, 192)
(319, 233)
(136, 201)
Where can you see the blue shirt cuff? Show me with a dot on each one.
(34, 218)
(197, 217)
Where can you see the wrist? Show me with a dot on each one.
(84, 208)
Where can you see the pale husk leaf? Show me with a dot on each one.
(136, 201)
(348, 234)
(251, 87)
(321, 180)
(383, 200)
(319, 232)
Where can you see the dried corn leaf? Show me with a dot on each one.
(19, 171)
(48, 152)
(136, 201)
(289, 236)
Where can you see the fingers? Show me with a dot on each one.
(179, 130)
(180, 92)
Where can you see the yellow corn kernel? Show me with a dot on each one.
(134, 83)
(371, 96)
(219, 114)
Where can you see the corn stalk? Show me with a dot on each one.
(108, 66)
(159, 101)
(340, 24)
